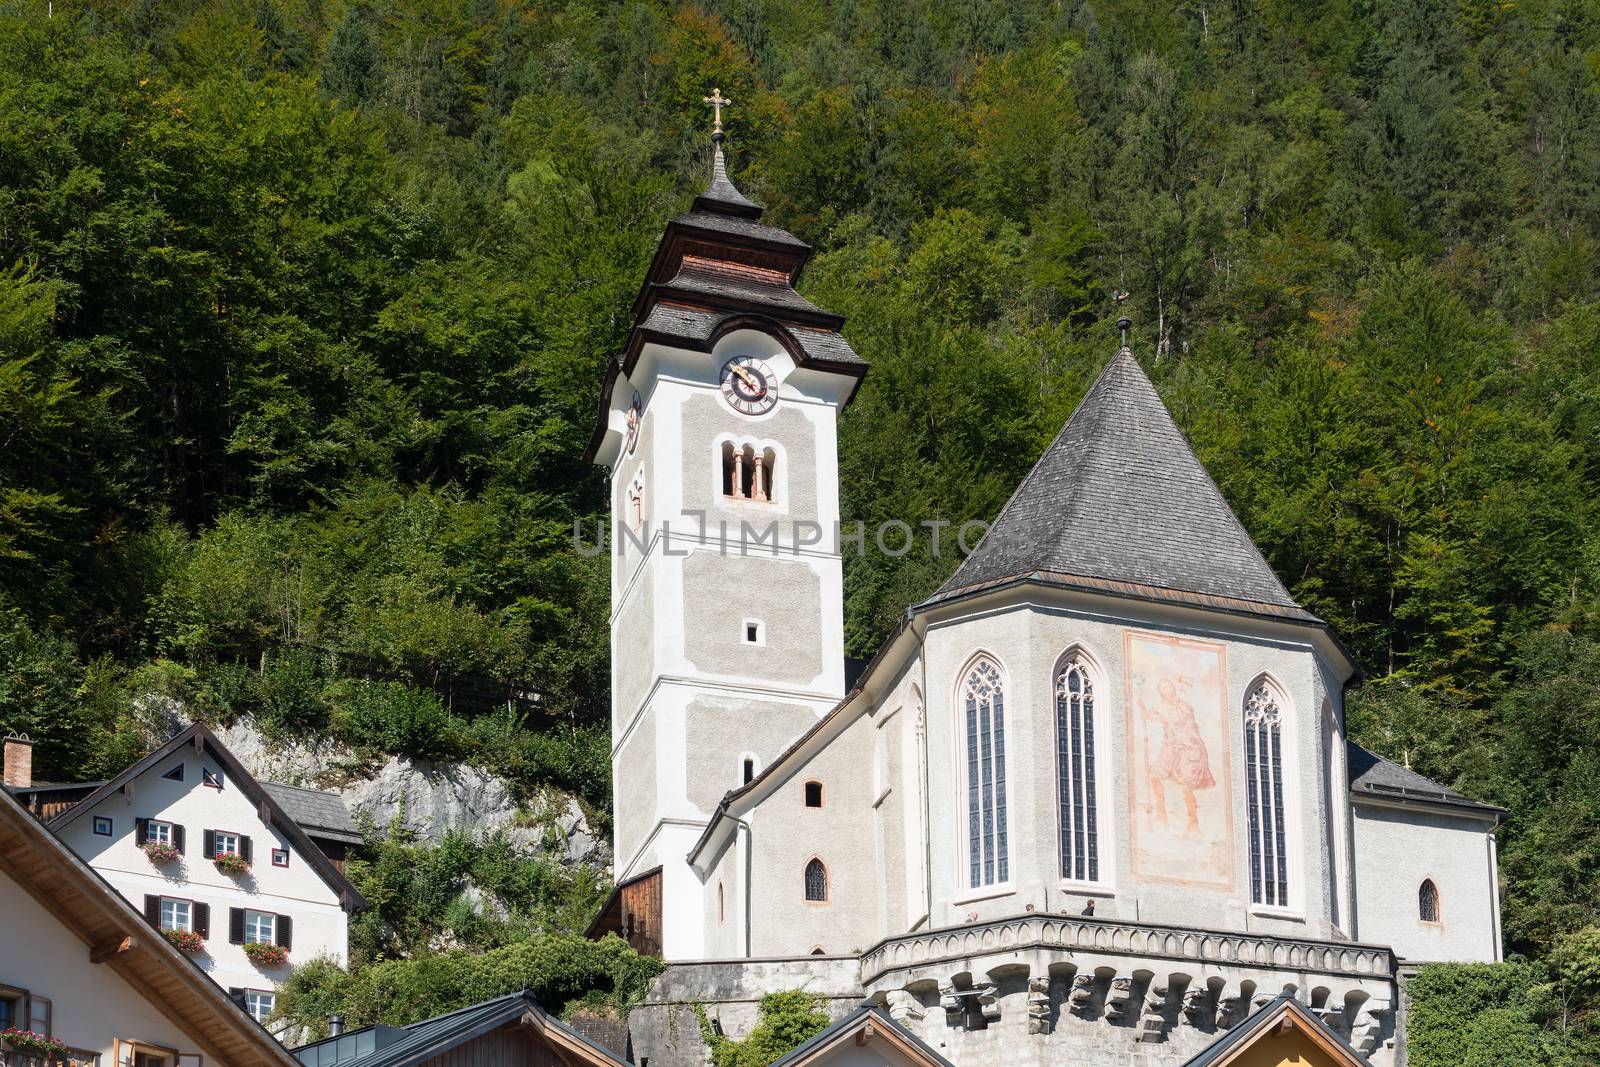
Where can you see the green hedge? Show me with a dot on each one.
(561, 970)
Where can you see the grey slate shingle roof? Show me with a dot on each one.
(1372, 775)
(742, 227)
(1120, 496)
(697, 325)
(313, 809)
(401, 1047)
(717, 284)
(722, 195)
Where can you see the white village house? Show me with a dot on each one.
(91, 983)
(1091, 802)
(206, 851)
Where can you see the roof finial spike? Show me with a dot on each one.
(1124, 323)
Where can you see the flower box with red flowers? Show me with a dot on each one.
(160, 853)
(263, 954)
(231, 863)
(34, 1045)
(185, 940)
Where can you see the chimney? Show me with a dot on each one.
(335, 1025)
(18, 761)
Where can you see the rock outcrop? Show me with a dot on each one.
(430, 798)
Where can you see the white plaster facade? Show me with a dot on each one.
(318, 923)
(90, 1007)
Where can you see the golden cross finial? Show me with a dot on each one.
(717, 102)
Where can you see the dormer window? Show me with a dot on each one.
(748, 473)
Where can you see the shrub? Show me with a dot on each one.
(1474, 1015)
(560, 970)
(784, 1022)
(395, 718)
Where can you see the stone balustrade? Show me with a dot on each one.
(1123, 938)
(1086, 981)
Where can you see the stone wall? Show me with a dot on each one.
(666, 1031)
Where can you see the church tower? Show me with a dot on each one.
(717, 424)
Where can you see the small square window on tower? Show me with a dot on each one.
(755, 632)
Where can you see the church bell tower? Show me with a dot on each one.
(717, 424)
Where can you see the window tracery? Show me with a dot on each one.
(1263, 755)
(1076, 773)
(984, 725)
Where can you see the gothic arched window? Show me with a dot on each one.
(1263, 760)
(1428, 901)
(984, 724)
(816, 880)
(1075, 773)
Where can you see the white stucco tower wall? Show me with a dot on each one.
(727, 605)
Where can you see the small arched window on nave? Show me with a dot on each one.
(816, 881)
(1428, 901)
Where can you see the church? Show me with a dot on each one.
(1091, 802)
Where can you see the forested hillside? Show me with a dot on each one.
(304, 306)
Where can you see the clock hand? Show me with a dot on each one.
(749, 379)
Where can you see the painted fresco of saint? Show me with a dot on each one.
(1181, 757)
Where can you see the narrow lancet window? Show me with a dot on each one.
(1263, 757)
(984, 709)
(1428, 901)
(1075, 774)
(816, 881)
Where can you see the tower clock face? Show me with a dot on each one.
(749, 386)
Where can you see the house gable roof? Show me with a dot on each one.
(120, 938)
(421, 1041)
(1279, 1017)
(319, 813)
(1374, 778)
(861, 1026)
(1120, 497)
(273, 813)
